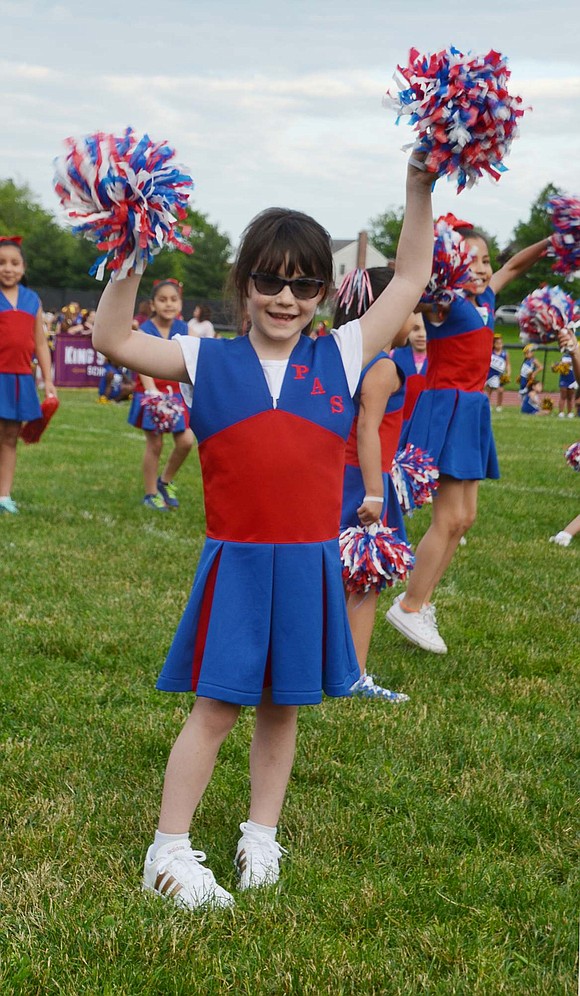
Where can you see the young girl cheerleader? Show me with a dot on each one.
(452, 422)
(499, 371)
(568, 341)
(21, 337)
(368, 492)
(530, 366)
(266, 622)
(567, 384)
(160, 489)
(412, 360)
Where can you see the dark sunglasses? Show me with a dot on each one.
(303, 288)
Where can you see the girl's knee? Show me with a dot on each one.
(217, 717)
(184, 441)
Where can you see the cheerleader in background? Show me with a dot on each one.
(530, 366)
(452, 422)
(160, 489)
(567, 340)
(22, 337)
(369, 495)
(499, 371)
(567, 384)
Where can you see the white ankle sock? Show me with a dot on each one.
(260, 828)
(166, 838)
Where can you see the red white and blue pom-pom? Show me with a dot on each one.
(565, 242)
(572, 456)
(451, 266)
(462, 111)
(164, 410)
(545, 312)
(125, 194)
(415, 477)
(373, 558)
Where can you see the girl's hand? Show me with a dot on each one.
(567, 340)
(370, 511)
(49, 389)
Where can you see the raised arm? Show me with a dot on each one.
(520, 263)
(413, 267)
(127, 347)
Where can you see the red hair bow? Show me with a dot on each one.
(454, 222)
(16, 239)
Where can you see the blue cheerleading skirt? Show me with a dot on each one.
(18, 398)
(264, 615)
(141, 419)
(353, 493)
(455, 428)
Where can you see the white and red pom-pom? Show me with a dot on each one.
(126, 195)
(565, 242)
(415, 477)
(545, 312)
(572, 456)
(451, 266)
(373, 558)
(164, 410)
(462, 111)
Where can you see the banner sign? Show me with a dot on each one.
(76, 362)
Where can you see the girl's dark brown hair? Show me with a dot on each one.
(280, 240)
(204, 313)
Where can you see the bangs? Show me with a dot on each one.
(287, 251)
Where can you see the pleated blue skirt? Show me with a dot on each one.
(141, 419)
(455, 428)
(264, 615)
(18, 397)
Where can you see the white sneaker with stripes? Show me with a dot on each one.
(257, 859)
(176, 872)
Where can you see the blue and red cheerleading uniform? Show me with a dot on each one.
(18, 398)
(138, 414)
(568, 379)
(451, 419)
(415, 377)
(389, 433)
(267, 606)
(497, 367)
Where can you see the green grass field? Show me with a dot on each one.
(433, 846)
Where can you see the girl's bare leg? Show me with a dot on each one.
(454, 511)
(183, 442)
(271, 759)
(192, 760)
(361, 610)
(151, 458)
(8, 442)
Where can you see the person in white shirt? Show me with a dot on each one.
(200, 324)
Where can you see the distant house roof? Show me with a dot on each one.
(337, 244)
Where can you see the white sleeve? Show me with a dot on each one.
(190, 349)
(348, 338)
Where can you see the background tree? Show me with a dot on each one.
(57, 258)
(385, 229)
(47, 247)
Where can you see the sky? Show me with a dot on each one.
(281, 103)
